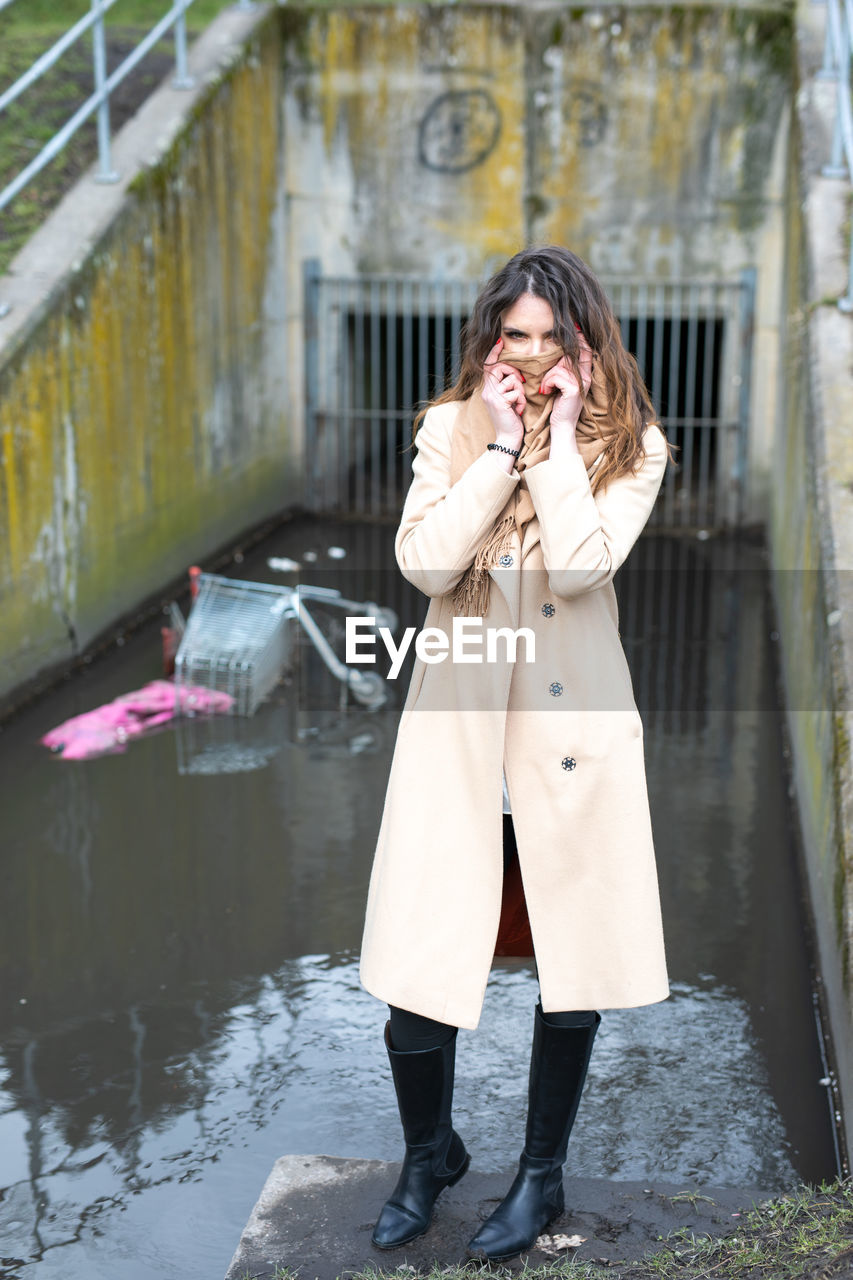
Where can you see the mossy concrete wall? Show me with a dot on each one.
(143, 415)
(440, 139)
(811, 538)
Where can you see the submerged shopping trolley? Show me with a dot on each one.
(239, 639)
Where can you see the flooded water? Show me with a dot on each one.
(179, 925)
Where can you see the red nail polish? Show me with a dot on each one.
(541, 392)
(523, 379)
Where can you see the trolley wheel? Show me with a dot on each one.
(368, 688)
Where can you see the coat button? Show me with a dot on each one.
(555, 689)
(506, 561)
(548, 611)
(569, 762)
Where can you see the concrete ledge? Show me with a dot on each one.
(315, 1215)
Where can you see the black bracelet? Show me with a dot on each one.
(515, 452)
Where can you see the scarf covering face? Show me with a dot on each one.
(474, 429)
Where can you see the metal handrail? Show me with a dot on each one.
(837, 52)
(99, 101)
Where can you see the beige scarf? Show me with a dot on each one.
(474, 429)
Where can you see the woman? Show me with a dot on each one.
(533, 478)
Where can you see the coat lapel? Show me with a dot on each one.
(531, 537)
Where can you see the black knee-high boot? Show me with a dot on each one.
(558, 1067)
(435, 1155)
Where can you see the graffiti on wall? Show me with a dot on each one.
(586, 112)
(458, 131)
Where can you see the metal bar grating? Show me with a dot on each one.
(377, 346)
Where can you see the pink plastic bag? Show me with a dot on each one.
(109, 728)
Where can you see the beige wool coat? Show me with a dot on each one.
(563, 728)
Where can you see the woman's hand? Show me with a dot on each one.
(562, 378)
(503, 396)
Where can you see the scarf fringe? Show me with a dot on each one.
(471, 595)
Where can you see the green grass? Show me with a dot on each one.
(785, 1239)
(27, 29)
(27, 16)
(804, 1236)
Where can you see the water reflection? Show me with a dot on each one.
(178, 993)
(124, 1104)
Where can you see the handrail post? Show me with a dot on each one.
(828, 68)
(845, 39)
(106, 172)
(834, 43)
(839, 35)
(845, 304)
(182, 78)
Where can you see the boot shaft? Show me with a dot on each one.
(423, 1082)
(559, 1061)
(435, 1155)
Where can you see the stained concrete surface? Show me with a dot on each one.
(820, 354)
(316, 1213)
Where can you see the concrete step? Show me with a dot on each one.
(315, 1215)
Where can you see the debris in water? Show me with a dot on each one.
(107, 729)
(240, 637)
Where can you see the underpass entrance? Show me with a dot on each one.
(376, 346)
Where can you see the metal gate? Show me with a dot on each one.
(377, 346)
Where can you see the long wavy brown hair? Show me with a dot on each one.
(570, 288)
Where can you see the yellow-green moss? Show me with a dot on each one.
(112, 403)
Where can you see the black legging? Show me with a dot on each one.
(411, 1032)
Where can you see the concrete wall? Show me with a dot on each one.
(143, 414)
(441, 139)
(811, 538)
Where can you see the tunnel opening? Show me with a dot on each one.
(378, 349)
(399, 361)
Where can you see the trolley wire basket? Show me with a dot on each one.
(239, 639)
